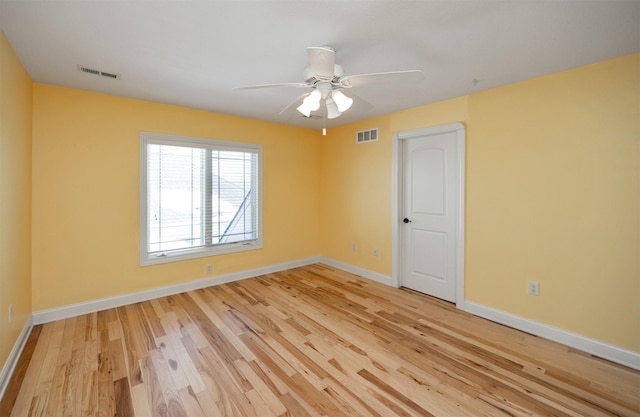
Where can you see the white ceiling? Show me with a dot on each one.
(193, 53)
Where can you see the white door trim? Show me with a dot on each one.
(397, 202)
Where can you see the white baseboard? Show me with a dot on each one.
(59, 313)
(14, 355)
(574, 340)
(373, 276)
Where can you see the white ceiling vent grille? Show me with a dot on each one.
(94, 71)
(364, 136)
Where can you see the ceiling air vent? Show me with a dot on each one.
(94, 71)
(370, 135)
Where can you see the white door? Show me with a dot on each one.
(430, 213)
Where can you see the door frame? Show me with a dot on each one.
(398, 202)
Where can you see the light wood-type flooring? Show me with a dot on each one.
(311, 341)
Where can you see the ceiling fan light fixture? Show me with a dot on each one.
(310, 103)
(342, 102)
(304, 109)
(332, 109)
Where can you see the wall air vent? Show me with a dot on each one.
(94, 71)
(370, 135)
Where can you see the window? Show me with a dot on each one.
(198, 197)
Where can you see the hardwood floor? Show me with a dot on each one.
(312, 341)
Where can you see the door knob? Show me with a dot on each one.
(406, 220)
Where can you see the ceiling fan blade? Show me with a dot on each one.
(255, 87)
(322, 59)
(359, 102)
(380, 78)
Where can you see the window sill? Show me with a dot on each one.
(147, 259)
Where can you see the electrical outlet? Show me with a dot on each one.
(375, 251)
(10, 312)
(209, 269)
(533, 288)
(353, 246)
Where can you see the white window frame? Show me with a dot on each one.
(182, 254)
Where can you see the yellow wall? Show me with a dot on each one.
(15, 197)
(86, 194)
(552, 195)
(355, 190)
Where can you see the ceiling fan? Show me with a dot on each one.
(327, 83)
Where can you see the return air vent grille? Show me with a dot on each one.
(370, 135)
(94, 71)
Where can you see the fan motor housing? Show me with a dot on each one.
(311, 78)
